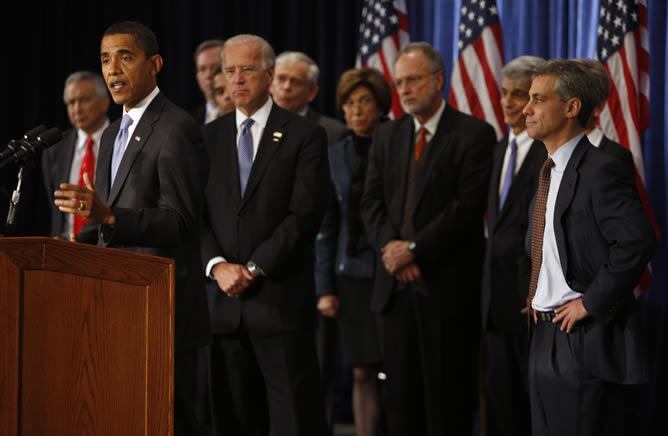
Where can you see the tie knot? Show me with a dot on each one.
(513, 144)
(422, 131)
(247, 124)
(89, 143)
(126, 122)
(548, 164)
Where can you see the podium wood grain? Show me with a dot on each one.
(86, 339)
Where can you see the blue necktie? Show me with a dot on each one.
(120, 144)
(510, 172)
(245, 153)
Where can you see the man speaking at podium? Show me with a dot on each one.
(148, 191)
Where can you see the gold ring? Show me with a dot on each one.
(82, 206)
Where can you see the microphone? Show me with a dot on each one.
(33, 141)
(15, 144)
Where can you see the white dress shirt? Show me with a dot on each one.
(75, 168)
(260, 118)
(552, 290)
(432, 123)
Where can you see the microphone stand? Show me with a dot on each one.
(13, 204)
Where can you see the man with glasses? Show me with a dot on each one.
(423, 206)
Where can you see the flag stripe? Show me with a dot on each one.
(474, 85)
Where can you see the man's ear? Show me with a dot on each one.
(156, 61)
(573, 107)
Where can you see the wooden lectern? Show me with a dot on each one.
(86, 340)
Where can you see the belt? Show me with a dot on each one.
(545, 316)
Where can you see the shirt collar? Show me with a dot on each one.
(563, 154)
(522, 140)
(260, 116)
(136, 112)
(595, 137)
(97, 135)
(432, 123)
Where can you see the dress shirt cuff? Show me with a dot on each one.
(213, 262)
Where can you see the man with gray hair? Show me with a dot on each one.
(87, 101)
(423, 205)
(589, 241)
(515, 164)
(265, 202)
(295, 86)
(207, 61)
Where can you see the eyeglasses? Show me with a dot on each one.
(362, 103)
(411, 81)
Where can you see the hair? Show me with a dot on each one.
(297, 56)
(433, 56)
(521, 69)
(573, 80)
(268, 55)
(600, 75)
(89, 76)
(369, 78)
(209, 43)
(146, 39)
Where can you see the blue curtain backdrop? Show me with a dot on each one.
(567, 29)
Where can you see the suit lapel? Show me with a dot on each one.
(493, 204)
(402, 142)
(565, 196)
(103, 167)
(522, 177)
(437, 146)
(272, 137)
(66, 156)
(139, 137)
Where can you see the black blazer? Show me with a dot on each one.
(157, 198)
(448, 218)
(273, 225)
(199, 114)
(56, 167)
(507, 267)
(604, 241)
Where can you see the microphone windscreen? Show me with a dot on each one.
(32, 133)
(50, 137)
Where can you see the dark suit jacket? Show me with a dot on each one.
(333, 128)
(604, 241)
(199, 114)
(507, 267)
(448, 218)
(273, 225)
(56, 167)
(157, 198)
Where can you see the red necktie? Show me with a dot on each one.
(538, 227)
(87, 166)
(420, 143)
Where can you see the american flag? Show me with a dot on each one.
(623, 47)
(383, 31)
(474, 86)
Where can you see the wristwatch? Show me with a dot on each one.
(254, 269)
(411, 246)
